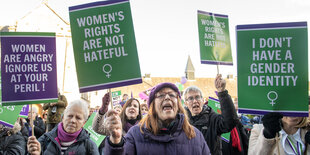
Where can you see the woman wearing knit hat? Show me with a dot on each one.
(165, 130)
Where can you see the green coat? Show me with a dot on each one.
(61, 106)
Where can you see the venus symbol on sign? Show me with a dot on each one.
(107, 68)
(272, 97)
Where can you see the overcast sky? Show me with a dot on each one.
(166, 30)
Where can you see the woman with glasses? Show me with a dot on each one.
(165, 130)
(211, 124)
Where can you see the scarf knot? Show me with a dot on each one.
(63, 136)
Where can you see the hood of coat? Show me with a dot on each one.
(177, 130)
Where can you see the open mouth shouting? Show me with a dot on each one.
(196, 107)
(167, 107)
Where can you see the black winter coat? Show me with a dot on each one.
(173, 143)
(39, 126)
(12, 145)
(212, 125)
(82, 146)
(244, 142)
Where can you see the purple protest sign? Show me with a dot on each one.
(28, 69)
(24, 111)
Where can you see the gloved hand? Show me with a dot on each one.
(105, 104)
(272, 124)
(307, 137)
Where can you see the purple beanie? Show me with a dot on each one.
(158, 88)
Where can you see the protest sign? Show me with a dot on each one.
(273, 68)
(28, 68)
(214, 39)
(116, 97)
(94, 136)
(9, 114)
(104, 45)
(0, 86)
(24, 112)
(215, 105)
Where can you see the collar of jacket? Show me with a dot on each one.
(205, 110)
(167, 137)
(53, 134)
(202, 118)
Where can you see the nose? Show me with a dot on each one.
(195, 100)
(73, 119)
(167, 97)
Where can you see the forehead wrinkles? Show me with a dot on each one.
(75, 112)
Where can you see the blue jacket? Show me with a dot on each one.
(147, 143)
(83, 145)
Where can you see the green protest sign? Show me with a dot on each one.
(0, 87)
(215, 105)
(214, 39)
(9, 114)
(104, 45)
(116, 97)
(94, 136)
(273, 68)
(116, 93)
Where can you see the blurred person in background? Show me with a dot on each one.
(118, 108)
(124, 100)
(130, 115)
(11, 140)
(54, 111)
(144, 109)
(38, 124)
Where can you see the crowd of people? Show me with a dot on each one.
(162, 125)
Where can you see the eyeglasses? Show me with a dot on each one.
(162, 96)
(191, 98)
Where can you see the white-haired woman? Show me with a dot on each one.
(69, 137)
(38, 124)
